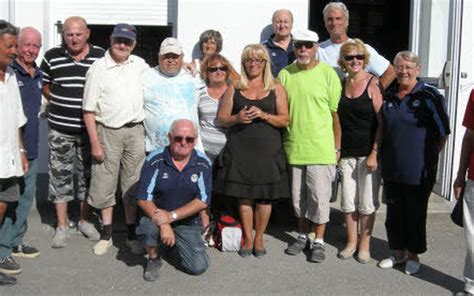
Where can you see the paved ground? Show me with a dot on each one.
(74, 270)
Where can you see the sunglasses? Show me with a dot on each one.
(307, 44)
(215, 69)
(358, 57)
(179, 139)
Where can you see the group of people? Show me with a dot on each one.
(172, 140)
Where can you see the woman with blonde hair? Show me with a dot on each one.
(252, 165)
(361, 127)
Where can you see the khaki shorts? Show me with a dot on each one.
(311, 191)
(124, 150)
(359, 186)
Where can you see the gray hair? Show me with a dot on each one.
(336, 6)
(183, 120)
(277, 12)
(407, 56)
(211, 34)
(7, 28)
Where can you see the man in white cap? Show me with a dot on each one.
(114, 114)
(312, 141)
(170, 93)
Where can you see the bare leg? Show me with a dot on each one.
(246, 218)
(319, 230)
(351, 220)
(303, 225)
(262, 216)
(152, 252)
(107, 215)
(413, 257)
(61, 214)
(85, 210)
(366, 227)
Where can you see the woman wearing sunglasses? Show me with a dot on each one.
(361, 126)
(252, 165)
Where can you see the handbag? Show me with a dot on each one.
(457, 213)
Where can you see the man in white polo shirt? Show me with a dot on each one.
(113, 114)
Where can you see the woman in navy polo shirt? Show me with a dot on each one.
(415, 129)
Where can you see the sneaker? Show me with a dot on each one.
(135, 246)
(88, 230)
(297, 247)
(60, 237)
(102, 247)
(9, 266)
(25, 251)
(6, 280)
(412, 267)
(318, 253)
(391, 262)
(152, 270)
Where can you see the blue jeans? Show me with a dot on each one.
(14, 228)
(189, 244)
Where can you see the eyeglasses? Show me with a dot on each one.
(254, 61)
(179, 139)
(125, 41)
(359, 57)
(307, 44)
(215, 69)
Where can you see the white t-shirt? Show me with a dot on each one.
(11, 119)
(167, 99)
(329, 52)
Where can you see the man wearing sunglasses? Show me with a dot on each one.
(175, 185)
(336, 19)
(170, 92)
(113, 114)
(312, 141)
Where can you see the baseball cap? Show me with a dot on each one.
(305, 35)
(124, 31)
(171, 45)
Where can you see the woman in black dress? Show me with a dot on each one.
(252, 165)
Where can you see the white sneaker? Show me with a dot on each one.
(60, 237)
(89, 231)
(391, 262)
(102, 247)
(412, 267)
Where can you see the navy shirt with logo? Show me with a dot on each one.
(413, 127)
(30, 90)
(280, 57)
(169, 188)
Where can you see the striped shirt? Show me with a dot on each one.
(212, 135)
(66, 78)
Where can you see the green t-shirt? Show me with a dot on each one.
(313, 95)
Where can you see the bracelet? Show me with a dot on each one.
(22, 150)
(338, 150)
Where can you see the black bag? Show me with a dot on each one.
(335, 184)
(457, 213)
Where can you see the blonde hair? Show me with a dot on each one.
(231, 74)
(348, 46)
(256, 51)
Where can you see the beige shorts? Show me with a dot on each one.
(124, 150)
(311, 191)
(359, 186)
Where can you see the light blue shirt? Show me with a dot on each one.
(168, 98)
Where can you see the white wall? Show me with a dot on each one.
(239, 22)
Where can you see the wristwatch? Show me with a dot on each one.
(174, 216)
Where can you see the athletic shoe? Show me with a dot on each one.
(318, 253)
(152, 270)
(391, 262)
(25, 251)
(60, 237)
(6, 280)
(89, 231)
(412, 267)
(9, 266)
(297, 247)
(102, 247)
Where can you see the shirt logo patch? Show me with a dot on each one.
(194, 178)
(165, 176)
(39, 85)
(20, 83)
(274, 54)
(390, 105)
(416, 103)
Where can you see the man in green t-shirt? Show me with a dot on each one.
(312, 141)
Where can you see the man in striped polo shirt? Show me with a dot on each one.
(113, 114)
(64, 69)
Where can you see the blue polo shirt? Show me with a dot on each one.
(412, 131)
(280, 57)
(169, 188)
(30, 90)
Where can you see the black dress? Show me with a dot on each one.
(252, 164)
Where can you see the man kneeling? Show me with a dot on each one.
(175, 185)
